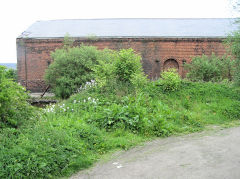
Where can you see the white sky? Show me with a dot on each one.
(17, 15)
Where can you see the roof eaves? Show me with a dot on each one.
(125, 37)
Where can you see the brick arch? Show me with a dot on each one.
(171, 63)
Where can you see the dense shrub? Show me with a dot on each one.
(14, 108)
(45, 151)
(11, 74)
(72, 67)
(233, 42)
(104, 68)
(127, 65)
(210, 68)
(128, 114)
(117, 69)
(169, 81)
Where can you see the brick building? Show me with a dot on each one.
(162, 43)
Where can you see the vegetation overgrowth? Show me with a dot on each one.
(73, 134)
(72, 68)
(233, 41)
(117, 108)
(14, 108)
(211, 68)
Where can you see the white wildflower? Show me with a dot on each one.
(88, 84)
(119, 166)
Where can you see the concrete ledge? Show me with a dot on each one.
(38, 95)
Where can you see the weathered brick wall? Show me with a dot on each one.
(157, 54)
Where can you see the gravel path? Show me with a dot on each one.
(211, 154)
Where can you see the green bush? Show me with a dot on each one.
(136, 113)
(104, 68)
(14, 108)
(210, 68)
(128, 114)
(119, 69)
(233, 42)
(48, 150)
(169, 81)
(11, 74)
(127, 65)
(237, 73)
(72, 67)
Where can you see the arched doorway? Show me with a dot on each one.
(170, 63)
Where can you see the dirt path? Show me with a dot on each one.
(211, 154)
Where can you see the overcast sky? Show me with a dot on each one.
(17, 15)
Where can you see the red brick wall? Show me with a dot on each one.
(34, 54)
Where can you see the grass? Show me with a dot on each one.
(77, 132)
(201, 104)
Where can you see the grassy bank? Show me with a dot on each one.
(75, 133)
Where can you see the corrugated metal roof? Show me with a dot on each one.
(122, 28)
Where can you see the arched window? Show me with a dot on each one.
(170, 63)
